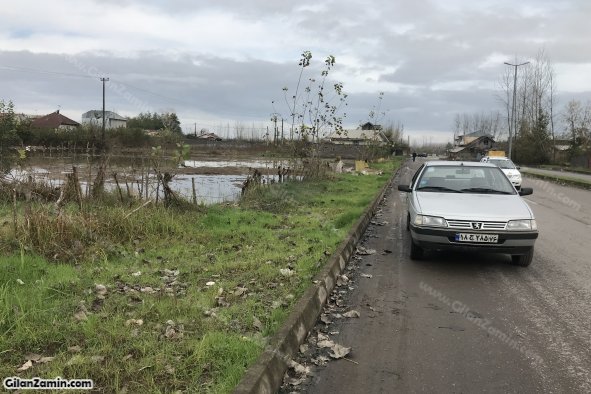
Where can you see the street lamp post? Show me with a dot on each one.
(513, 120)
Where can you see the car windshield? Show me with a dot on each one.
(464, 179)
(503, 163)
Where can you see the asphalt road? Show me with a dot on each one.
(457, 323)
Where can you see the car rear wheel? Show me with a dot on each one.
(416, 252)
(523, 260)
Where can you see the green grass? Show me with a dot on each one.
(291, 225)
(561, 179)
(581, 170)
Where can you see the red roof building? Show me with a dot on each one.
(54, 120)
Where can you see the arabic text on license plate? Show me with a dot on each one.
(482, 238)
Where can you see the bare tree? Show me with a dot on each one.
(536, 90)
(395, 133)
(477, 122)
(505, 85)
(577, 119)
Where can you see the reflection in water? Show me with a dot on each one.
(235, 163)
(209, 189)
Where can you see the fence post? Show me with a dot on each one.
(194, 192)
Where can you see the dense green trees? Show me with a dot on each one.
(155, 121)
(8, 135)
(534, 145)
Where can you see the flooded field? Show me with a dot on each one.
(214, 181)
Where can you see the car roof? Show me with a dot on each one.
(459, 163)
(497, 158)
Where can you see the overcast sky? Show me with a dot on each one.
(216, 61)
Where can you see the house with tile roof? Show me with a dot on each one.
(54, 121)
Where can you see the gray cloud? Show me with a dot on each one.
(406, 49)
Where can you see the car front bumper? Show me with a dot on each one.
(516, 182)
(444, 239)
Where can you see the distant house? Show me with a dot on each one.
(366, 134)
(561, 150)
(471, 146)
(54, 121)
(465, 139)
(370, 126)
(209, 136)
(112, 120)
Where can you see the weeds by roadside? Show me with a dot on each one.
(175, 298)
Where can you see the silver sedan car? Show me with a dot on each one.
(469, 206)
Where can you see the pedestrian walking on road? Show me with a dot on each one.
(414, 156)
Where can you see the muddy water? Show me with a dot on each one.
(215, 180)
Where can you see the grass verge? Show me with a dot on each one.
(562, 180)
(169, 299)
(580, 170)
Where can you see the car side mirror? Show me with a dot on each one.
(404, 188)
(518, 167)
(526, 191)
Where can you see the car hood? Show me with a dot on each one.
(471, 206)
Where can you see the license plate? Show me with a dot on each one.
(479, 238)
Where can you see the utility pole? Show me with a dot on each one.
(275, 129)
(103, 131)
(513, 119)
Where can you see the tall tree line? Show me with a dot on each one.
(535, 108)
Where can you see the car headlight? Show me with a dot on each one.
(432, 221)
(522, 225)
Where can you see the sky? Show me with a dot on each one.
(226, 62)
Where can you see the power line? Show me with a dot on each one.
(150, 92)
(33, 70)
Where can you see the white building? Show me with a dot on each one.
(358, 137)
(95, 118)
(366, 134)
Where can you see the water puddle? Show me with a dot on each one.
(209, 189)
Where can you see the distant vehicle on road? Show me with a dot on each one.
(422, 154)
(508, 167)
(469, 206)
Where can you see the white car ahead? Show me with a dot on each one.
(508, 167)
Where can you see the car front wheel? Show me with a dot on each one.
(523, 260)
(416, 252)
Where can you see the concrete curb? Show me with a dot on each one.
(266, 375)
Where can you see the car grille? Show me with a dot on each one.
(467, 225)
